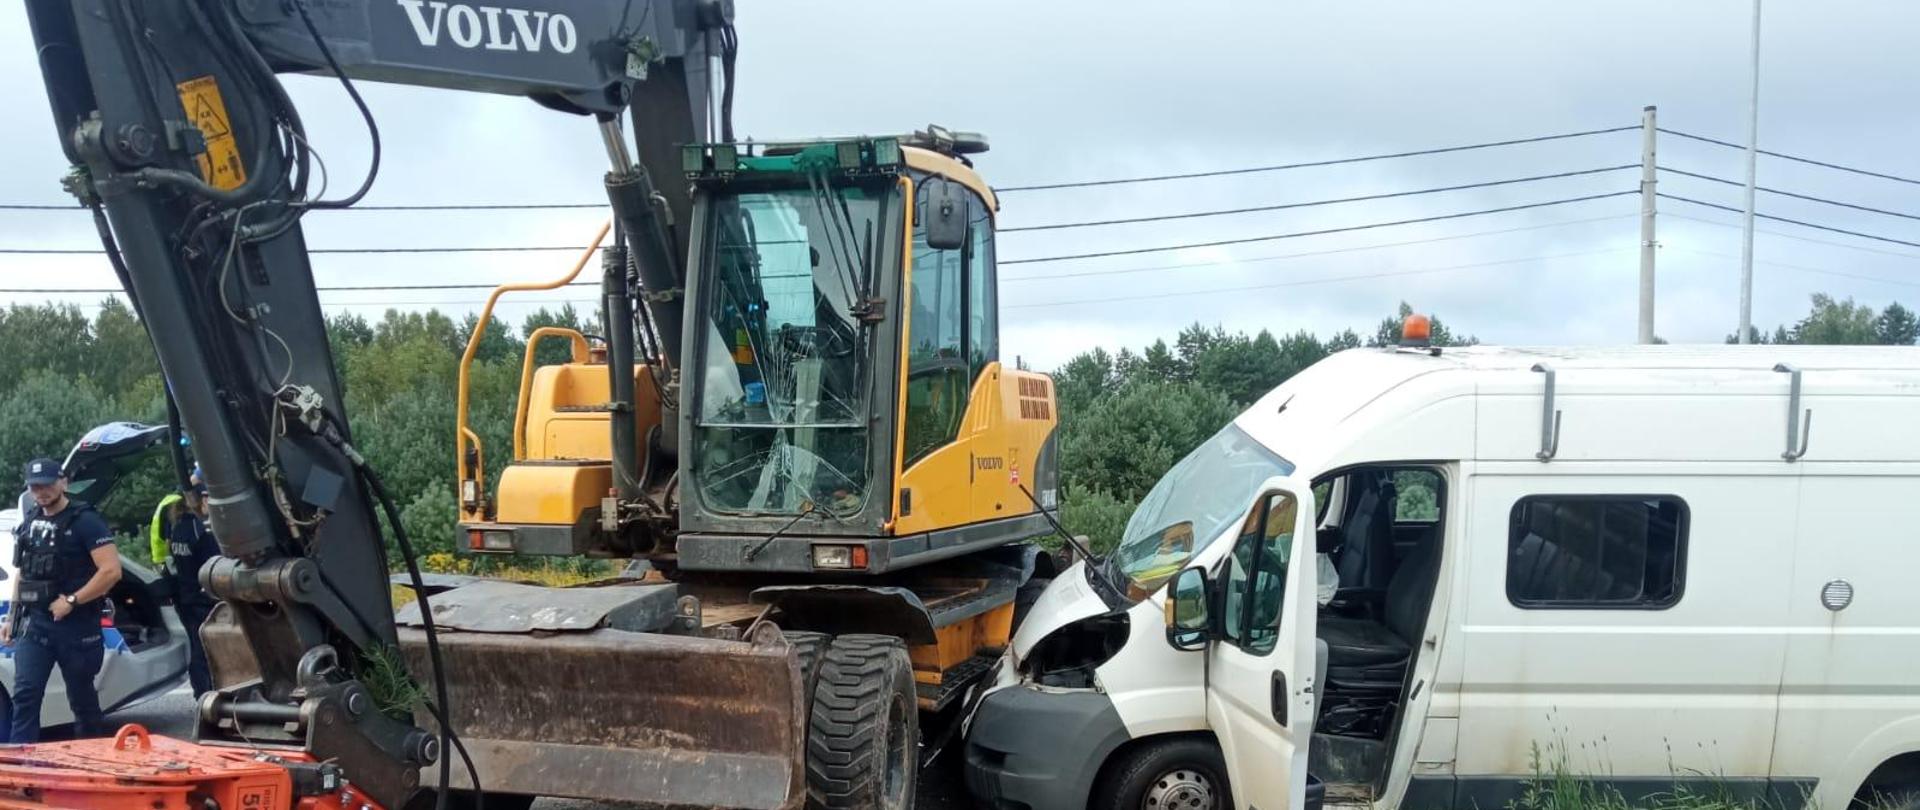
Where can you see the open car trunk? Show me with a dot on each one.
(106, 454)
(135, 601)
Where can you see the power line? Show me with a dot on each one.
(1795, 195)
(1803, 268)
(1335, 201)
(1797, 237)
(1309, 164)
(534, 248)
(358, 251)
(1320, 232)
(337, 304)
(1795, 158)
(395, 207)
(1311, 253)
(367, 288)
(1313, 281)
(1020, 229)
(1801, 223)
(1005, 262)
(1006, 190)
(1003, 280)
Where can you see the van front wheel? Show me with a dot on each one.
(1178, 774)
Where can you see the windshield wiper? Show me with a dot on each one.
(1096, 568)
(761, 546)
(839, 243)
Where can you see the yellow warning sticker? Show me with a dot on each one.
(220, 165)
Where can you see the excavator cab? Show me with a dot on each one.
(839, 406)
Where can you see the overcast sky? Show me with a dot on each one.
(1088, 90)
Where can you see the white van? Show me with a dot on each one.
(1646, 566)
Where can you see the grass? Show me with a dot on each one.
(1555, 786)
(385, 673)
(552, 572)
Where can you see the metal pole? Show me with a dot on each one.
(1746, 236)
(1647, 237)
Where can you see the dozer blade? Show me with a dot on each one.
(611, 715)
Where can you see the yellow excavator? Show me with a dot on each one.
(816, 429)
(796, 416)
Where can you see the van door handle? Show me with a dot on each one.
(1280, 698)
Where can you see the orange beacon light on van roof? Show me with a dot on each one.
(1416, 332)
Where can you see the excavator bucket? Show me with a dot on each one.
(576, 693)
(572, 692)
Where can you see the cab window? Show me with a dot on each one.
(1256, 574)
(950, 330)
(983, 315)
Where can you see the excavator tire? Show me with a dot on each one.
(807, 646)
(864, 728)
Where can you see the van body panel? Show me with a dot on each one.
(1069, 599)
(1156, 688)
(1691, 687)
(1848, 698)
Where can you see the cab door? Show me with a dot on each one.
(1260, 671)
(952, 337)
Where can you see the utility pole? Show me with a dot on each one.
(1647, 243)
(1746, 238)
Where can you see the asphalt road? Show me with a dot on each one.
(171, 714)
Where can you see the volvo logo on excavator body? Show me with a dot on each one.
(493, 28)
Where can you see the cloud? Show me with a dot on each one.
(1077, 90)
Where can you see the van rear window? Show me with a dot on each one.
(1575, 552)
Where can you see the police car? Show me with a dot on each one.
(146, 645)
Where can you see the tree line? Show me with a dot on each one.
(62, 373)
(1125, 416)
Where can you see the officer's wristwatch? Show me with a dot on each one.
(71, 602)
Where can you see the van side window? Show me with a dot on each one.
(1597, 552)
(1256, 574)
(1417, 497)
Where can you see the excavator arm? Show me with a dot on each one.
(197, 167)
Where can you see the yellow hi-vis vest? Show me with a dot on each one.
(157, 530)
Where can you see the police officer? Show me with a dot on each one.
(189, 546)
(67, 563)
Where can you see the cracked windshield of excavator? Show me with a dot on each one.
(782, 418)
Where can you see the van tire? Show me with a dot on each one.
(863, 729)
(1182, 766)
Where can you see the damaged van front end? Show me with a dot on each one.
(1087, 672)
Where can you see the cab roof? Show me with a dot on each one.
(932, 162)
(1637, 402)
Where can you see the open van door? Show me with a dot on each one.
(1255, 617)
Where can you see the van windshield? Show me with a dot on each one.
(1197, 500)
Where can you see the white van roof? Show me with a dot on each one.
(1645, 403)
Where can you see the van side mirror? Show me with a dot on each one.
(1187, 619)
(945, 214)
